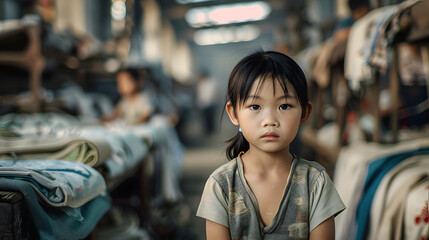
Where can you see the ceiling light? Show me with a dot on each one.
(227, 14)
(224, 35)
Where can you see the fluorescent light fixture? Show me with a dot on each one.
(227, 14)
(225, 35)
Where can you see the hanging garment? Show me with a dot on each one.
(377, 49)
(416, 216)
(410, 65)
(377, 169)
(377, 25)
(349, 176)
(415, 165)
(356, 69)
(321, 70)
(410, 23)
(307, 57)
(392, 223)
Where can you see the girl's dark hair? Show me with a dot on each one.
(267, 65)
(355, 4)
(135, 74)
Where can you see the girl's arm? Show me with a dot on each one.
(325, 231)
(115, 114)
(215, 231)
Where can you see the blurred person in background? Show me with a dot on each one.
(207, 101)
(134, 106)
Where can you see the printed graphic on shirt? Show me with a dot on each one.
(238, 206)
(298, 230)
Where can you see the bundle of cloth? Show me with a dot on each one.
(63, 137)
(65, 199)
(54, 162)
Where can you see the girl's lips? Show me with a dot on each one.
(270, 136)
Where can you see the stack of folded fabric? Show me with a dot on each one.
(65, 199)
(63, 137)
(54, 162)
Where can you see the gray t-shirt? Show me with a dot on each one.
(309, 199)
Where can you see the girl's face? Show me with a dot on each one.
(126, 84)
(269, 119)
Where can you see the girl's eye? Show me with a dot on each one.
(255, 107)
(284, 107)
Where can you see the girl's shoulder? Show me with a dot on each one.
(226, 169)
(227, 173)
(310, 164)
(312, 169)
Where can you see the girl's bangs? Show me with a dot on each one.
(247, 83)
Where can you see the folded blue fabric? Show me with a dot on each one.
(59, 223)
(58, 183)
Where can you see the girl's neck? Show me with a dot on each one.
(263, 161)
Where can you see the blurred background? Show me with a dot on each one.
(366, 64)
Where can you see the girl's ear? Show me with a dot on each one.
(231, 113)
(307, 113)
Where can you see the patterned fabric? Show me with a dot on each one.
(350, 178)
(49, 136)
(58, 183)
(389, 186)
(416, 218)
(371, 50)
(60, 136)
(39, 125)
(309, 199)
(392, 222)
(91, 151)
(387, 33)
(377, 169)
(356, 69)
(59, 223)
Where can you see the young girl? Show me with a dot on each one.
(266, 192)
(134, 106)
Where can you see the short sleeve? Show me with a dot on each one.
(325, 201)
(213, 205)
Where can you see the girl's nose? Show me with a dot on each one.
(270, 121)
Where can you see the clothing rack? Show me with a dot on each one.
(356, 169)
